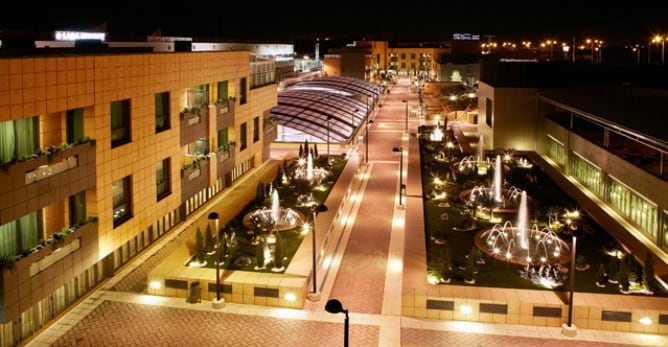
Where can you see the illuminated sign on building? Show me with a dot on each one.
(78, 35)
(466, 37)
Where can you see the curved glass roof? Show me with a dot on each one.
(328, 108)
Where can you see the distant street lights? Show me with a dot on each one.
(406, 123)
(402, 187)
(219, 302)
(335, 306)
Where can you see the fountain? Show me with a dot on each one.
(436, 134)
(275, 218)
(306, 171)
(522, 244)
(478, 163)
(496, 197)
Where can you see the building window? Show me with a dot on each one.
(161, 112)
(587, 173)
(78, 208)
(243, 140)
(488, 111)
(403, 56)
(242, 90)
(256, 129)
(122, 202)
(75, 125)
(413, 56)
(634, 207)
(201, 95)
(18, 139)
(556, 151)
(120, 122)
(198, 148)
(223, 136)
(222, 93)
(20, 235)
(162, 170)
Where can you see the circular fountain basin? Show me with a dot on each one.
(263, 219)
(539, 248)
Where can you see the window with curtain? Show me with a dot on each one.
(78, 208)
(162, 179)
(122, 201)
(199, 147)
(120, 122)
(20, 235)
(201, 95)
(18, 139)
(161, 111)
(223, 136)
(222, 91)
(75, 125)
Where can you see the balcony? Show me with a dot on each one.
(53, 175)
(225, 160)
(23, 280)
(224, 114)
(194, 124)
(194, 178)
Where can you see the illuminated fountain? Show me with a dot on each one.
(495, 197)
(478, 162)
(523, 244)
(436, 134)
(274, 218)
(306, 171)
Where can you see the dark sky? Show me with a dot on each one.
(292, 20)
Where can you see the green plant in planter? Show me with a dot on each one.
(7, 261)
(200, 250)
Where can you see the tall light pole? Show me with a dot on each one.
(366, 140)
(401, 173)
(334, 306)
(328, 158)
(219, 302)
(571, 224)
(314, 295)
(406, 123)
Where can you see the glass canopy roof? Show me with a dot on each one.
(328, 108)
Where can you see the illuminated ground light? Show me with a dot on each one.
(433, 279)
(645, 321)
(466, 309)
(396, 265)
(290, 296)
(155, 284)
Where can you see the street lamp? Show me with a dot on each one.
(401, 173)
(334, 306)
(314, 295)
(219, 302)
(661, 39)
(366, 140)
(328, 158)
(571, 224)
(406, 123)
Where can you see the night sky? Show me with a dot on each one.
(293, 20)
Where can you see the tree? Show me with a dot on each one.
(200, 251)
(259, 194)
(259, 253)
(613, 269)
(315, 151)
(209, 244)
(279, 253)
(648, 280)
(623, 275)
(445, 270)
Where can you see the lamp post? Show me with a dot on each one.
(328, 158)
(657, 39)
(401, 173)
(570, 329)
(406, 123)
(334, 306)
(314, 295)
(366, 140)
(219, 302)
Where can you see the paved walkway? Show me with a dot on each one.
(366, 275)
